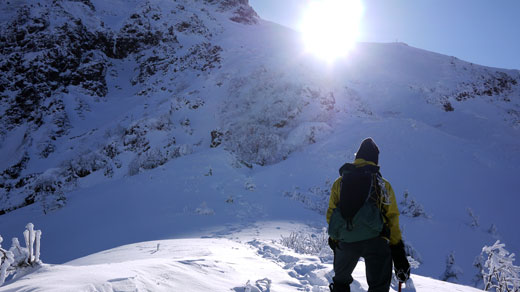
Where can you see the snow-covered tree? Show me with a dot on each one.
(203, 209)
(499, 271)
(411, 208)
(414, 257)
(493, 231)
(18, 257)
(452, 272)
(474, 219)
(6, 259)
(478, 263)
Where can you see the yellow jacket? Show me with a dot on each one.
(389, 210)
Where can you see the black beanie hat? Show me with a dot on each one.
(368, 151)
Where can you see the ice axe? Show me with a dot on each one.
(400, 286)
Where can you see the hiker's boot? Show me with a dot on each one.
(334, 287)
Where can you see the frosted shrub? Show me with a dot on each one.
(148, 160)
(493, 230)
(156, 157)
(48, 189)
(308, 243)
(204, 209)
(268, 115)
(453, 271)
(262, 145)
(478, 278)
(30, 254)
(414, 258)
(18, 257)
(85, 164)
(474, 219)
(411, 208)
(152, 159)
(499, 273)
(6, 259)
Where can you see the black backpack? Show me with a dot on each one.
(358, 215)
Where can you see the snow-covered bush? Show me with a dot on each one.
(411, 208)
(85, 164)
(474, 219)
(453, 271)
(156, 157)
(148, 160)
(263, 145)
(308, 243)
(268, 116)
(18, 257)
(414, 258)
(250, 185)
(499, 271)
(478, 278)
(49, 189)
(203, 209)
(6, 259)
(493, 230)
(30, 254)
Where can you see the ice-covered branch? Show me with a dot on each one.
(499, 271)
(411, 208)
(6, 259)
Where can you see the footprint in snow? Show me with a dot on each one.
(307, 272)
(262, 285)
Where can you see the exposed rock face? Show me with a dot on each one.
(493, 86)
(51, 54)
(40, 59)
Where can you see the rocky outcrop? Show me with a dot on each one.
(49, 52)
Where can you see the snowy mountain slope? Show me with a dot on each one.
(167, 119)
(67, 75)
(198, 265)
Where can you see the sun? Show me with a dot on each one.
(330, 28)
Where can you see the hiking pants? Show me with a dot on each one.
(378, 262)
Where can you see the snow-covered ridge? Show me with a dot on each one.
(200, 265)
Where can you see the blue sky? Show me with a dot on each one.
(485, 32)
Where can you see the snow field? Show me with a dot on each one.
(199, 264)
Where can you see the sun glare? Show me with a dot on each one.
(330, 28)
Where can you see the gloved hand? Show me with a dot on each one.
(333, 244)
(401, 264)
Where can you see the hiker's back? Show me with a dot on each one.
(358, 215)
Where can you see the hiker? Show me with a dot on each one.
(364, 222)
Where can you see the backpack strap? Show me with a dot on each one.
(384, 202)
